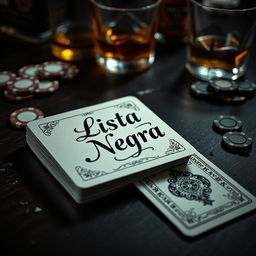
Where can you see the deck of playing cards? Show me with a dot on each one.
(96, 150)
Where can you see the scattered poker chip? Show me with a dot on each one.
(237, 142)
(246, 88)
(72, 71)
(29, 71)
(231, 99)
(222, 86)
(20, 117)
(14, 97)
(47, 86)
(52, 69)
(5, 77)
(227, 123)
(200, 89)
(22, 85)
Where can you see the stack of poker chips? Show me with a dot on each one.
(36, 79)
(233, 140)
(21, 88)
(224, 90)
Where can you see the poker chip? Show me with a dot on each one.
(14, 97)
(237, 142)
(72, 71)
(52, 69)
(20, 117)
(231, 99)
(227, 123)
(222, 86)
(30, 71)
(224, 90)
(246, 88)
(5, 77)
(47, 86)
(22, 85)
(200, 89)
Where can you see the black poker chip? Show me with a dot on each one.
(226, 124)
(223, 86)
(200, 89)
(230, 99)
(246, 88)
(237, 142)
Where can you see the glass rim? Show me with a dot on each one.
(228, 10)
(109, 8)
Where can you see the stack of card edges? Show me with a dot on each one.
(96, 150)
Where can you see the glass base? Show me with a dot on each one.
(72, 54)
(122, 67)
(207, 74)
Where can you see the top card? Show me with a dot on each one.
(107, 141)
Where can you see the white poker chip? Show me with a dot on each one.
(29, 71)
(52, 69)
(22, 85)
(47, 86)
(72, 71)
(5, 77)
(21, 117)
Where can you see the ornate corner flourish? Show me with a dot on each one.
(88, 174)
(174, 147)
(47, 128)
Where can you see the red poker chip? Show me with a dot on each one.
(72, 71)
(52, 69)
(21, 117)
(22, 85)
(14, 97)
(47, 86)
(29, 71)
(5, 77)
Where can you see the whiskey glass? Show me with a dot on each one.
(124, 34)
(220, 38)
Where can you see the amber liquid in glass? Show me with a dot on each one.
(217, 52)
(73, 45)
(124, 46)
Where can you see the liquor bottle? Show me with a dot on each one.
(25, 19)
(173, 21)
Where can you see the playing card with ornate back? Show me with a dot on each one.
(196, 196)
(96, 150)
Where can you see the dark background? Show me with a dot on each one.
(37, 216)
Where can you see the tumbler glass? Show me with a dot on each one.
(220, 38)
(70, 23)
(124, 34)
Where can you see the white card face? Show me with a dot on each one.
(196, 196)
(110, 140)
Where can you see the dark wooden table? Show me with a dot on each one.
(39, 217)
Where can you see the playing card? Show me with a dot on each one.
(196, 196)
